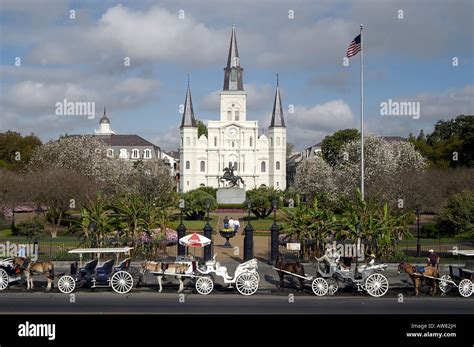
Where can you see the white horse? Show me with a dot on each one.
(161, 269)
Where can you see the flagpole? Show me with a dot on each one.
(361, 115)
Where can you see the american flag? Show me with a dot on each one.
(354, 47)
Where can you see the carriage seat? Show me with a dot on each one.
(124, 265)
(88, 268)
(103, 272)
(220, 268)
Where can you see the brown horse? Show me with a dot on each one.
(418, 277)
(30, 268)
(176, 269)
(293, 267)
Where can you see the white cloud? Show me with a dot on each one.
(307, 126)
(169, 139)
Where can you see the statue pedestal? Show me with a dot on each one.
(232, 195)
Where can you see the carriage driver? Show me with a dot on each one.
(330, 256)
(433, 259)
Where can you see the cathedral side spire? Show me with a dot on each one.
(277, 115)
(233, 72)
(188, 114)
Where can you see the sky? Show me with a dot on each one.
(414, 51)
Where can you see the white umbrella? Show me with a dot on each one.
(194, 240)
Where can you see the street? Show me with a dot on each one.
(148, 301)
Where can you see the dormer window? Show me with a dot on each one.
(147, 154)
(135, 154)
(110, 153)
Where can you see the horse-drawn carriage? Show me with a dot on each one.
(9, 273)
(461, 277)
(111, 273)
(246, 278)
(366, 277)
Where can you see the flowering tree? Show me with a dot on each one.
(85, 155)
(315, 177)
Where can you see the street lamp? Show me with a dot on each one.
(181, 229)
(418, 246)
(248, 231)
(357, 250)
(274, 233)
(208, 232)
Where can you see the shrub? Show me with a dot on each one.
(457, 216)
(429, 231)
(29, 229)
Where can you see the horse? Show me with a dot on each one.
(30, 268)
(177, 269)
(417, 277)
(293, 267)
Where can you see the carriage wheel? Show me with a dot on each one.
(320, 286)
(333, 286)
(136, 275)
(443, 285)
(376, 285)
(204, 284)
(247, 283)
(4, 280)
(66, 284)
(122, 282)
(466, 287)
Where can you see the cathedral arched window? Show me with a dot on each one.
(237, 115)
(215, 141)
(203, 166)
(233, 75)
(278, 140)
(188, 165)
(251, 142)
(235, 166)
(233, 144)
(263, 166)
(277, 165)
(229, 114)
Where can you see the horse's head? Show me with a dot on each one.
(401, 267)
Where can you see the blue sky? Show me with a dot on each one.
(81, 59)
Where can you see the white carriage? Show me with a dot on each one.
(460, 277)
(9, 273)
(246, 278)
(366, 277)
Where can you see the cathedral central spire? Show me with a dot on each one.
(233, 73)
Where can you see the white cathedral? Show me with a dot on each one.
(233, 140)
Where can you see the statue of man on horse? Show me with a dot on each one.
(230, 177)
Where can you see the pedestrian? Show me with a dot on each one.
(226, 222)
(236, 225)
(433, 258)
(231, 223)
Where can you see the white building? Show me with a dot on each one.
(233, 140)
